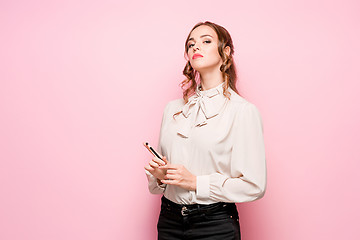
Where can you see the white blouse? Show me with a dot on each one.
(218, 140)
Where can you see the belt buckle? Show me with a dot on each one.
(183, 209)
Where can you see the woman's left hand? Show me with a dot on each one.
(178, 175)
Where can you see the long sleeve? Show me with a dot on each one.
(153, 185)
(248, 166)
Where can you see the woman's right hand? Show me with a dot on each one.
(153, 167)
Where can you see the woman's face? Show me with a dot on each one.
(203, 49)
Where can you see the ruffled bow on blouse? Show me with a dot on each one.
(202, 106)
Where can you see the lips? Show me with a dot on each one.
(195, 56)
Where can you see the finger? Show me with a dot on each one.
(165, 160)
(158, 161)
(153, 164)
(169, 166)
(171, 176)
(149, 168)
(171, 171)
(170, 182)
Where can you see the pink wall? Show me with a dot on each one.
(84, 83)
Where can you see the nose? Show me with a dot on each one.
(195, 47)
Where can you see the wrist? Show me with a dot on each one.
(194, 184)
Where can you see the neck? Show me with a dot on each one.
(210, 80)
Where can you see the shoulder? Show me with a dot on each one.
(247, 114)
(174, 106)
(176, 102)
(244, 108)
(240, 103)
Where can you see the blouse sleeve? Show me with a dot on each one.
(248, 165)
(153, 185)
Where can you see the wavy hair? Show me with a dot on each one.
(227, 68)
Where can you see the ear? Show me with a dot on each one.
(227, 51)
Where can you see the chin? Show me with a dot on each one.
(201, 67)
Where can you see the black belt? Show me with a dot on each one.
(189, 209)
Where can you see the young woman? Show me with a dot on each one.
(212, 143)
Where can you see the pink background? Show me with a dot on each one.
(84, 83)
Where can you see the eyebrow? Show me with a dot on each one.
(206, 35)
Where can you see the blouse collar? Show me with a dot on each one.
(202, 106)
(219, 89)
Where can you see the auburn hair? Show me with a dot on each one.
(227, 68)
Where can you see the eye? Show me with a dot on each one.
(191, 44)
